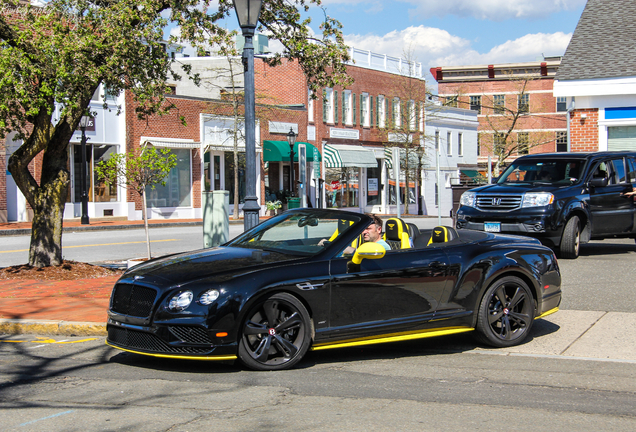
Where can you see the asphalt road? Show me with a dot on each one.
(430, 385)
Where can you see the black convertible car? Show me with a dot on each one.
(285, 287)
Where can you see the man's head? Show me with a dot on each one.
(373, 232)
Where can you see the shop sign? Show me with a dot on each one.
(335, 185)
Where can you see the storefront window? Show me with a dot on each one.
(342, 187)
(374, 188)
(103, 192)
(178, 188)
(229, 175)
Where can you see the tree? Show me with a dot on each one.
(505, 118)
(404, 126)
(54, 58)
(138, 172)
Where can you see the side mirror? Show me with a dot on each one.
(597, 182)
(368, 250)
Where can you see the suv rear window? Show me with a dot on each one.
(556, 171)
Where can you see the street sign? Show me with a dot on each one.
(335, 185)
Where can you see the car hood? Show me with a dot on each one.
(222, 262)
(516, 188)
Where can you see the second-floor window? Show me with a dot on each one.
(498, 102)
(310, 106)
(381, 115)
(524, 103)
(395, 110)
(460, 144)
(449, 143)
(347, 107)
(412, 115)
(365, 110)
(328, 106)
(451, 101)
(562, 104)
(475, 103)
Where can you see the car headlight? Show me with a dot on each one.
(208, 297)
(468, 199)
(180, 301)
(537, 199)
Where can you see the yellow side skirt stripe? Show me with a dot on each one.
(545, 314)
(392, 338)
(219, 357)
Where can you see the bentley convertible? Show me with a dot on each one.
(285, 287)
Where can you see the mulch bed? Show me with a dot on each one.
(68, 270)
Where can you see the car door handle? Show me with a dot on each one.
(437, 264)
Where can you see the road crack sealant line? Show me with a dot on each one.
(583, 334)
(551, 356)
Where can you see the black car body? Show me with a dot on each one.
(563, 199)
(275, 291)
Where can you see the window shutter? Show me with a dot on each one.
(335, 107)
(362, 113)
(344, 107)
(377, 111)
(353, 99)
(416, 107)
(324, 105)
(370, 111)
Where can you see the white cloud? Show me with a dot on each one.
(494, 10)
(435, 47)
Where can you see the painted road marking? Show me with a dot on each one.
(49, 341)
(46, 418)
(94, 245)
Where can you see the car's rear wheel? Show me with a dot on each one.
(571, 239)
(506, 313)
(276, 334)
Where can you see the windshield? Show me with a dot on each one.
(554, 172)
(297, 233)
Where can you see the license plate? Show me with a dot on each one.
(492, 226)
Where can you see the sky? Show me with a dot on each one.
(455, 32)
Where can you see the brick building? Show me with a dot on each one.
(343, 130)
(514, 102)
(598, 72)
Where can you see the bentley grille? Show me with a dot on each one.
(133, 339)
(499, 202)
(133, 300)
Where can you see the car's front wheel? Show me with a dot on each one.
(571, 239)
(276, 334)
(506, 313)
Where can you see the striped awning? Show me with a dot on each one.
(341, 156)
(388, 157)
(171, 142)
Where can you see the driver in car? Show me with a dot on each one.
(372, 233)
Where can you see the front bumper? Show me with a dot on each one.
(537, 224)
(171, 341)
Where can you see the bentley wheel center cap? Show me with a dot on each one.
(506, 311)
(272, 332)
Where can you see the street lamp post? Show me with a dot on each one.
(420, 154)
(291, 139)
(83, 175)
(247, 12)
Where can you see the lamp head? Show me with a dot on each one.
(84, 121)
(247, 12)
(291, 137)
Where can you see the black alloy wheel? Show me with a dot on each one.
(506, 313)
(276, 334)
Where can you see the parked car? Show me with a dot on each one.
(277, 290)
(563, 199)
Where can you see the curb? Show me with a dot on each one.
(48, 327)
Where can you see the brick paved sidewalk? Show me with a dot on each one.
(81, 300)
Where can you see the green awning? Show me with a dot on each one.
(278, 151)
(472, 174)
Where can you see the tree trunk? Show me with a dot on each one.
(46, 229)
(46, 199)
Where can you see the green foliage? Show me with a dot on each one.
(137, 171)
